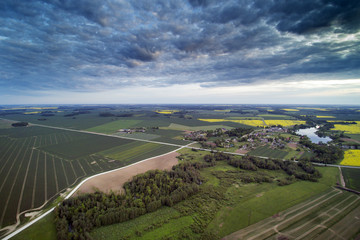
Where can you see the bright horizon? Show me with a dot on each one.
(179, 52)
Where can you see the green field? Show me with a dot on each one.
(174, 126)
(112, 127)
(310, 219)
(44, 229)
(352, 178)
(265, 151)
(219, 209)
(39, 163)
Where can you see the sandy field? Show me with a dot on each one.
(114, 180)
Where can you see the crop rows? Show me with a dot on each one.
(36, 164)
(268, 152)
(315, 219)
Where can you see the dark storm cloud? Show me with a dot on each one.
(65, 44)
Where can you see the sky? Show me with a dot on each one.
(180, 51)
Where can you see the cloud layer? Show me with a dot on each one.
(90, 45)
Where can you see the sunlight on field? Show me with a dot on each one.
(309, 108)
(35, 108)
(284, 123)
(351, 158)
(271, 110)
(166, 111)
(350, 128)
(253, 123)
(325, 117)
(226, 110)
(290, 110)
(31, 112)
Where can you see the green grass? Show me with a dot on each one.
(139, 226)
(352, 178)
(44, 229)
(259, 201)
(265, 151)
(112, 127)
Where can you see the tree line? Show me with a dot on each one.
(302, 170)
(76, 217)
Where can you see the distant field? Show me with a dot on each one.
(253, 123)
(275, 116)
(350, 128)
(112, 127)
(265, 151)
(284, 123)
(174, 126)
(352, 178)
(290, 110)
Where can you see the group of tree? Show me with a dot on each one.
(303, 170)
(76, 217)
(20, 124)
(323, 153)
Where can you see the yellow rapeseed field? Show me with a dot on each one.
(31, 112)
(318, 109)
(325, 116)
(226, 110)
(290, 110)
(284, 123)
(253, 123)
(351, 128)
(166, 111)
(351, 158)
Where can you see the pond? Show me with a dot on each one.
(310, 133)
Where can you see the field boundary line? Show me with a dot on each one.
(45, 177)
(63, 168)
(25, 177)
(55, 175)
(34, 188)
(12, 234)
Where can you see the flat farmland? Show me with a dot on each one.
(331, 215)
(352, 178)
(265, 151)
(38, 163)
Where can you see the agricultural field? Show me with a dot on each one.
(290, 110)
(114, 126)
(266, 151)
(38, 163)
(352, 178)
(220, 208)
(351, 158)
(349, 128)
(253, 123)
(284, 123)
(331, 215)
